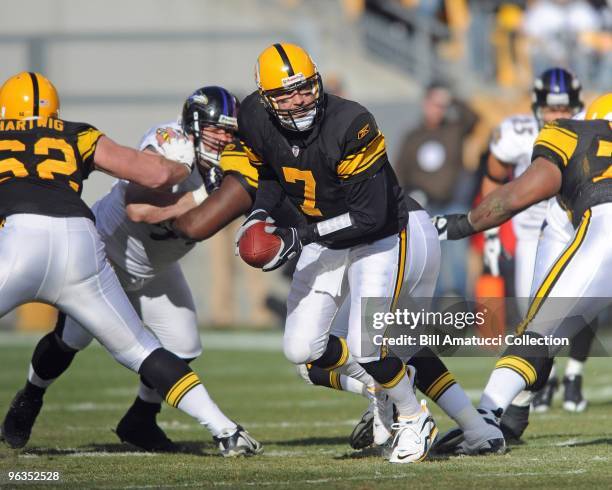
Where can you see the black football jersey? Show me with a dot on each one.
(583, 152)
(43, 164)
(315, 168)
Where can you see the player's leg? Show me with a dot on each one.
(563, 302)
(377, 271)
(573, 399)
(166, 306)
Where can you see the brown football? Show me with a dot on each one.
(257, 247)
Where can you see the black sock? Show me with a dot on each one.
(33, 391)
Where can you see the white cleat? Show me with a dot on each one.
(381, 408)
(237, 442)
(414, 437)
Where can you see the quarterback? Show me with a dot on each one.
(328, 157)
(145, 258)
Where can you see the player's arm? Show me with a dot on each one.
(219, 209)
(154, 206)
(144, 168)
(497, 174)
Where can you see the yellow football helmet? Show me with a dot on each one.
(283, 69)
(28, 95)
(600, 108)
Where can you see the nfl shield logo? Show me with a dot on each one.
(295, 150)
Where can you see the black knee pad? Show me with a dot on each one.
(335, 355)
(531, 362)
(169, 375)
(51, 357)
(148, 385)
(387, 372)
(432, 376)
(322, 377)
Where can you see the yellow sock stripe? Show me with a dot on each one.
(396, 379)
(343, 357)
(520, 366)
(441, 384)
(555, 272)
(181, 387)
(185, 391)
(334, 380)
(401, 266)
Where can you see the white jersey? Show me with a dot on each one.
(139, 250)
(513, 144)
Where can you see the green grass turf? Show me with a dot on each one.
(304, 430)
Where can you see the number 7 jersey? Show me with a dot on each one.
(43, 163)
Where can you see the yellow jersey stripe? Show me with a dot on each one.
(559, 141)
(86, 142)
(74, 185)
(363, 159)
(555, 271)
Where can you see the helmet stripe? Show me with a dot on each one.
(224, 97)
(285, 58)
(562, 81)
(35, 94)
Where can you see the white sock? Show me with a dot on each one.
(149, 395)
(353, 369)
(403, 396)
(38, 381)
(503, 386)
(353, 385)
(458, 406)
(524, 398)
(197, 403)
(573, 367)
(553, 371)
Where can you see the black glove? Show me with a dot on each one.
(290, 246)
(453, 226)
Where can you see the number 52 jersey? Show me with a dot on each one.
(43, 163)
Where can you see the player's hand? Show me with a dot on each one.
(290, 246)
(255, 216)
(212, 178)
(492, 250)
(453, 226)
(176, 146)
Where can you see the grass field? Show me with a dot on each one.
(304, 430)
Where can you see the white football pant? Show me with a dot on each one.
(328, 286)
(61, 261)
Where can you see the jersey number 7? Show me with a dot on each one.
(293, 175)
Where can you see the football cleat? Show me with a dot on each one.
(144, 433)
(237, 442)
(489, 441)
(414, 437)
(514, 422)
(543, 398)
(19, 420)
(573, 401)
(363, 433)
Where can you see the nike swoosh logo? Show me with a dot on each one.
(399, 456)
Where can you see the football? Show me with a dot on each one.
(257, 247)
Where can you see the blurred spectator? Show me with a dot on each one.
(556, 29)
(430, 168)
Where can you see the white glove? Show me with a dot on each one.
(492, 250)
(176, 146)
(256, 216)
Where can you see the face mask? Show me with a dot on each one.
(207, 158)
(301, 123)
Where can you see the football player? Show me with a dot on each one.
(571, 159)
(145, 258)
(328, 157)
(556, 94)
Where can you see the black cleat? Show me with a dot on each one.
(363, 433)
(139, 428)
(543, 398)
(237, 443)
(20, 418)
(573, 401)
(513, 423)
